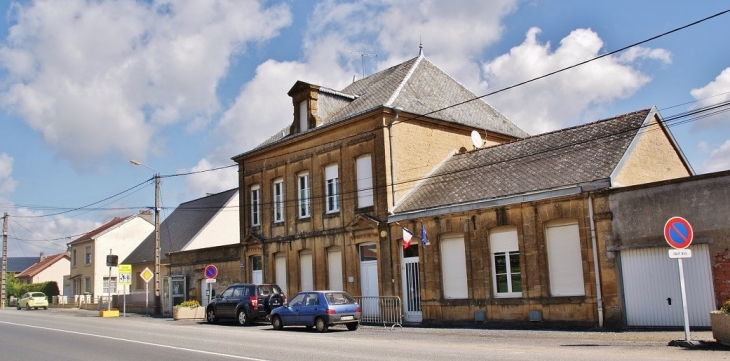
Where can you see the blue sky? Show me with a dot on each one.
(183, 86)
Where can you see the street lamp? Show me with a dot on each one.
(158, 299)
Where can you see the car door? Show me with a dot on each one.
(291, 315)
(310, 309)
(223, 306)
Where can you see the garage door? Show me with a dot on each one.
(652, 293)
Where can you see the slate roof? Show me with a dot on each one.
(37, 268)
(417, 86)
(566, 157)
(20, 264)
(181, 227)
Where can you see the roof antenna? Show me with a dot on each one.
(420, 46)
(362, 59)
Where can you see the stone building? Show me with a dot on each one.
(517, 227)
(316, 197)
(518, 230)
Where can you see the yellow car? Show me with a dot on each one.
(34, 300)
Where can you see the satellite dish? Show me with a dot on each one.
(476, 139)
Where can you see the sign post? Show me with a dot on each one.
(678, 233)
(125, 278)
(211, 272)
(147, 275)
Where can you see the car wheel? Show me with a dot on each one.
(17, 306)
(276, 322)
(210, 316)
(352, 326)
(45, 308)
(243, 319)
(27, 307)
(321, 325)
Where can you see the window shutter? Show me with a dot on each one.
(565, 263)
(453, 255)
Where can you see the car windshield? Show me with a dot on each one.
(339, 298)
(37, 294)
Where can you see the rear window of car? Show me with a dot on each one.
(265, 290)
(38, 294)
(339, 298)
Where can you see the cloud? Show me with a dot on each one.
(714, 92)
(7, 183)
(105, 77)
(559, 100)
(719, 159)
(211, 181)
(30, 233)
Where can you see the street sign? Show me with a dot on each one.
(678, 232)
(210, 280)
(680, 253)
(211, 271)
(125, 274)
(147, 275)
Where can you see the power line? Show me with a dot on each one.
(434, 111)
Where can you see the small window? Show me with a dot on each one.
(73, 257)
(255, 205)
(364, 171)
(279, 200)
(87, 255)
(506, 270)
(303, 183)
(368, 252)
(332, 191)
(109, 286)
(303, 121)
(87, 285)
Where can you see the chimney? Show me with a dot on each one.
(41, 257)
(146, 214)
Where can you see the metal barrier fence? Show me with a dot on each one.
(385, 309)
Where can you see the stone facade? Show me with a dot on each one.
(640, 212)
(192, 264)
(530, 220)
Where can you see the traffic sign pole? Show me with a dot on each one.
(684, 300)
(678, 233)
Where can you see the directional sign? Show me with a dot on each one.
(678, 232)
(147, 275)
(211, 271)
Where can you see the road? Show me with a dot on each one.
(58, 334)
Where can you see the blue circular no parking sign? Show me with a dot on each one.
(678, 232)
(211, 271)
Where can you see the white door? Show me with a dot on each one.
(411, 284)
(652, 293)
(280, 261)
(256, 270)
(369, 281)
(334, 261)
(306, 272)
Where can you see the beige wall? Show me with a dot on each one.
(652, 159)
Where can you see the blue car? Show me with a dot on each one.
(319, 309)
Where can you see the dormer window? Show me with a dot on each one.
(303, 123)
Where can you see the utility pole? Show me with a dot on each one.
(3, 294)
(158, 294)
